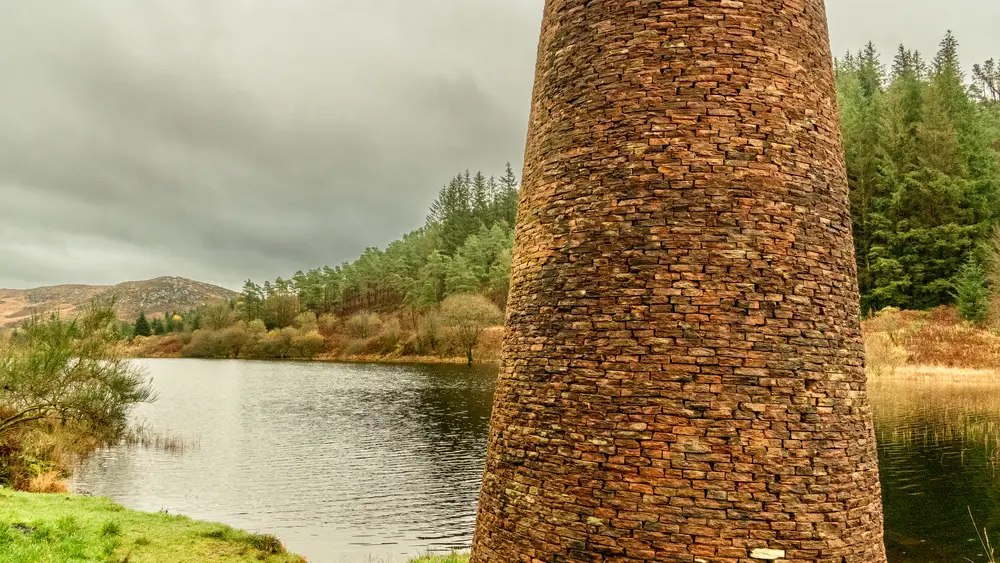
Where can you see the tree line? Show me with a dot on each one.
(922, 159)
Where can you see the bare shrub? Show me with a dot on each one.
(429, 334)
(328, 325)
(363, 325)
(883, 357)
(466, 316)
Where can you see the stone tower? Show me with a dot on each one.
(683, 374)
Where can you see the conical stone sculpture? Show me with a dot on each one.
(683, 374)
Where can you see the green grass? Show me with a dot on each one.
(65, 528)
(443, 559)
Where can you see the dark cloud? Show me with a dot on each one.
(228, 139)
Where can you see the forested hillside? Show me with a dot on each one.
(922, 146)
(464, 247)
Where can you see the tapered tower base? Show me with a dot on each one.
(683, 373)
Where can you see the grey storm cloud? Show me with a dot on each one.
(226, 139)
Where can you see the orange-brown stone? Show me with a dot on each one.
(683, 373)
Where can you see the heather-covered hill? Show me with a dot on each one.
(152, 296)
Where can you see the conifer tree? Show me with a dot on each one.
(972, 295)
(142, 327)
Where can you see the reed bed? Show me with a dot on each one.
(931, 412)
(142, 437)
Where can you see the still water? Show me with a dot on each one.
(358, 463)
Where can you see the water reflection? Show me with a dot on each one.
(340, 461)
(939, 456)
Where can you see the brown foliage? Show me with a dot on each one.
(938, 338)
(49, 482)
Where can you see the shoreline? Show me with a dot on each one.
(68, 525)
(334, 359)
(926, 373)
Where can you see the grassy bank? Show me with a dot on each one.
(443, 559)
(55, 528)
(934, 344)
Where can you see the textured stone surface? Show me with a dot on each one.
(683, 375)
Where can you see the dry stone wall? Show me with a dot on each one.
(683, 373)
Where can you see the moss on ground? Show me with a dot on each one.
(63, 528)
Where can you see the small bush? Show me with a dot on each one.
(883, 357)
(388, 337)
(49, 482)
(265, 543)
(111, 529)
(203, 344)
(429, 333)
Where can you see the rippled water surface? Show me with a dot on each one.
(341, 462)
(360, 463)
(939, 457)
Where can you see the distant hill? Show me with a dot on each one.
(158, 295)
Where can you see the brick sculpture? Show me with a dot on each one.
(683, 373)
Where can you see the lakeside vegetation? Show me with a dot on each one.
(54, 528)
(65, 390)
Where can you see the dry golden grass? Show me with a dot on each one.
(924, 344)
(49, 482)
(164, 346)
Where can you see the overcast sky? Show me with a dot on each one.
(227, 139)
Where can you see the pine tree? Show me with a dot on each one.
(142, 327)
(429, 287)
(972, 295)
(253, 301)
(159, 327)
(861, 94)
(987, 81)
(507, 198)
